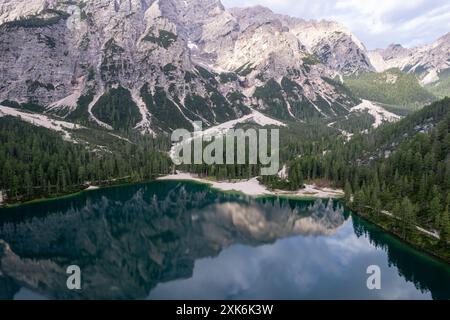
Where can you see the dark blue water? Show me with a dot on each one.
(171, 240)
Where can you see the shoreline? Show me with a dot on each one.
(422, 249)
(250, 188)
(71, 194)
(254, 188)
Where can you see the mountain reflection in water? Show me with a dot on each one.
(166, 238)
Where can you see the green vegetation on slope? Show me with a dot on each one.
(112, 67)
(402, 168)
(392, 87)
(36, 162)
(441, 88)
(165, 38)
(228, 77)
(287, 100)
(166, 114)
(117, 108)
(311, 60)
(80, 114)
(46, 18)
(245, 69)
(301, 108)
(355, 122)
(30, 106)
(271, 95)
(200, 106)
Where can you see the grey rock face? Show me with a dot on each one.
(394, 51)
(182, 61)
(428, 62)
(341, 53)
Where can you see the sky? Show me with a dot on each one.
(377, 23)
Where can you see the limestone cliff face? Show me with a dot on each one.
(180, 61)
(429, 62)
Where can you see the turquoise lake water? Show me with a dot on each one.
(179, 240)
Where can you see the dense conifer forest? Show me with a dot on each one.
(400, 169)
(36, 162)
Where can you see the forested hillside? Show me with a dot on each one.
(442, 87)
(392, 87)
(36, 162)
(315, 136)
(402, 169)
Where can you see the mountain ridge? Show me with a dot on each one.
(427, 61)
(175, 61)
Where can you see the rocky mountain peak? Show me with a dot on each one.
(172, 62)
(428, 61)
(394, 51)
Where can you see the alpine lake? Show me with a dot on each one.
(181, 240)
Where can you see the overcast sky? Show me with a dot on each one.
(377, 23)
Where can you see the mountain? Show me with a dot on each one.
(392, 87)
(396, 175)
(155, 66)
(101, 72)
(441, 88)
(428, 62)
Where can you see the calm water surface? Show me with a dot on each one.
(173, 240)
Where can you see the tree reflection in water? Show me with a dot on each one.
(128, 240)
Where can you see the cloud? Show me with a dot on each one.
(377, 23)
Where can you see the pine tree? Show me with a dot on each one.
(444, 229)
(408, 219)
(377, 207)
(28, 184)
(358, 201)
(348, 193)
(434, 209)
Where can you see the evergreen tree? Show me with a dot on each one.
(348, 193)
(434, 210)
(407, 216)
(444, 228)
(36, 162)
